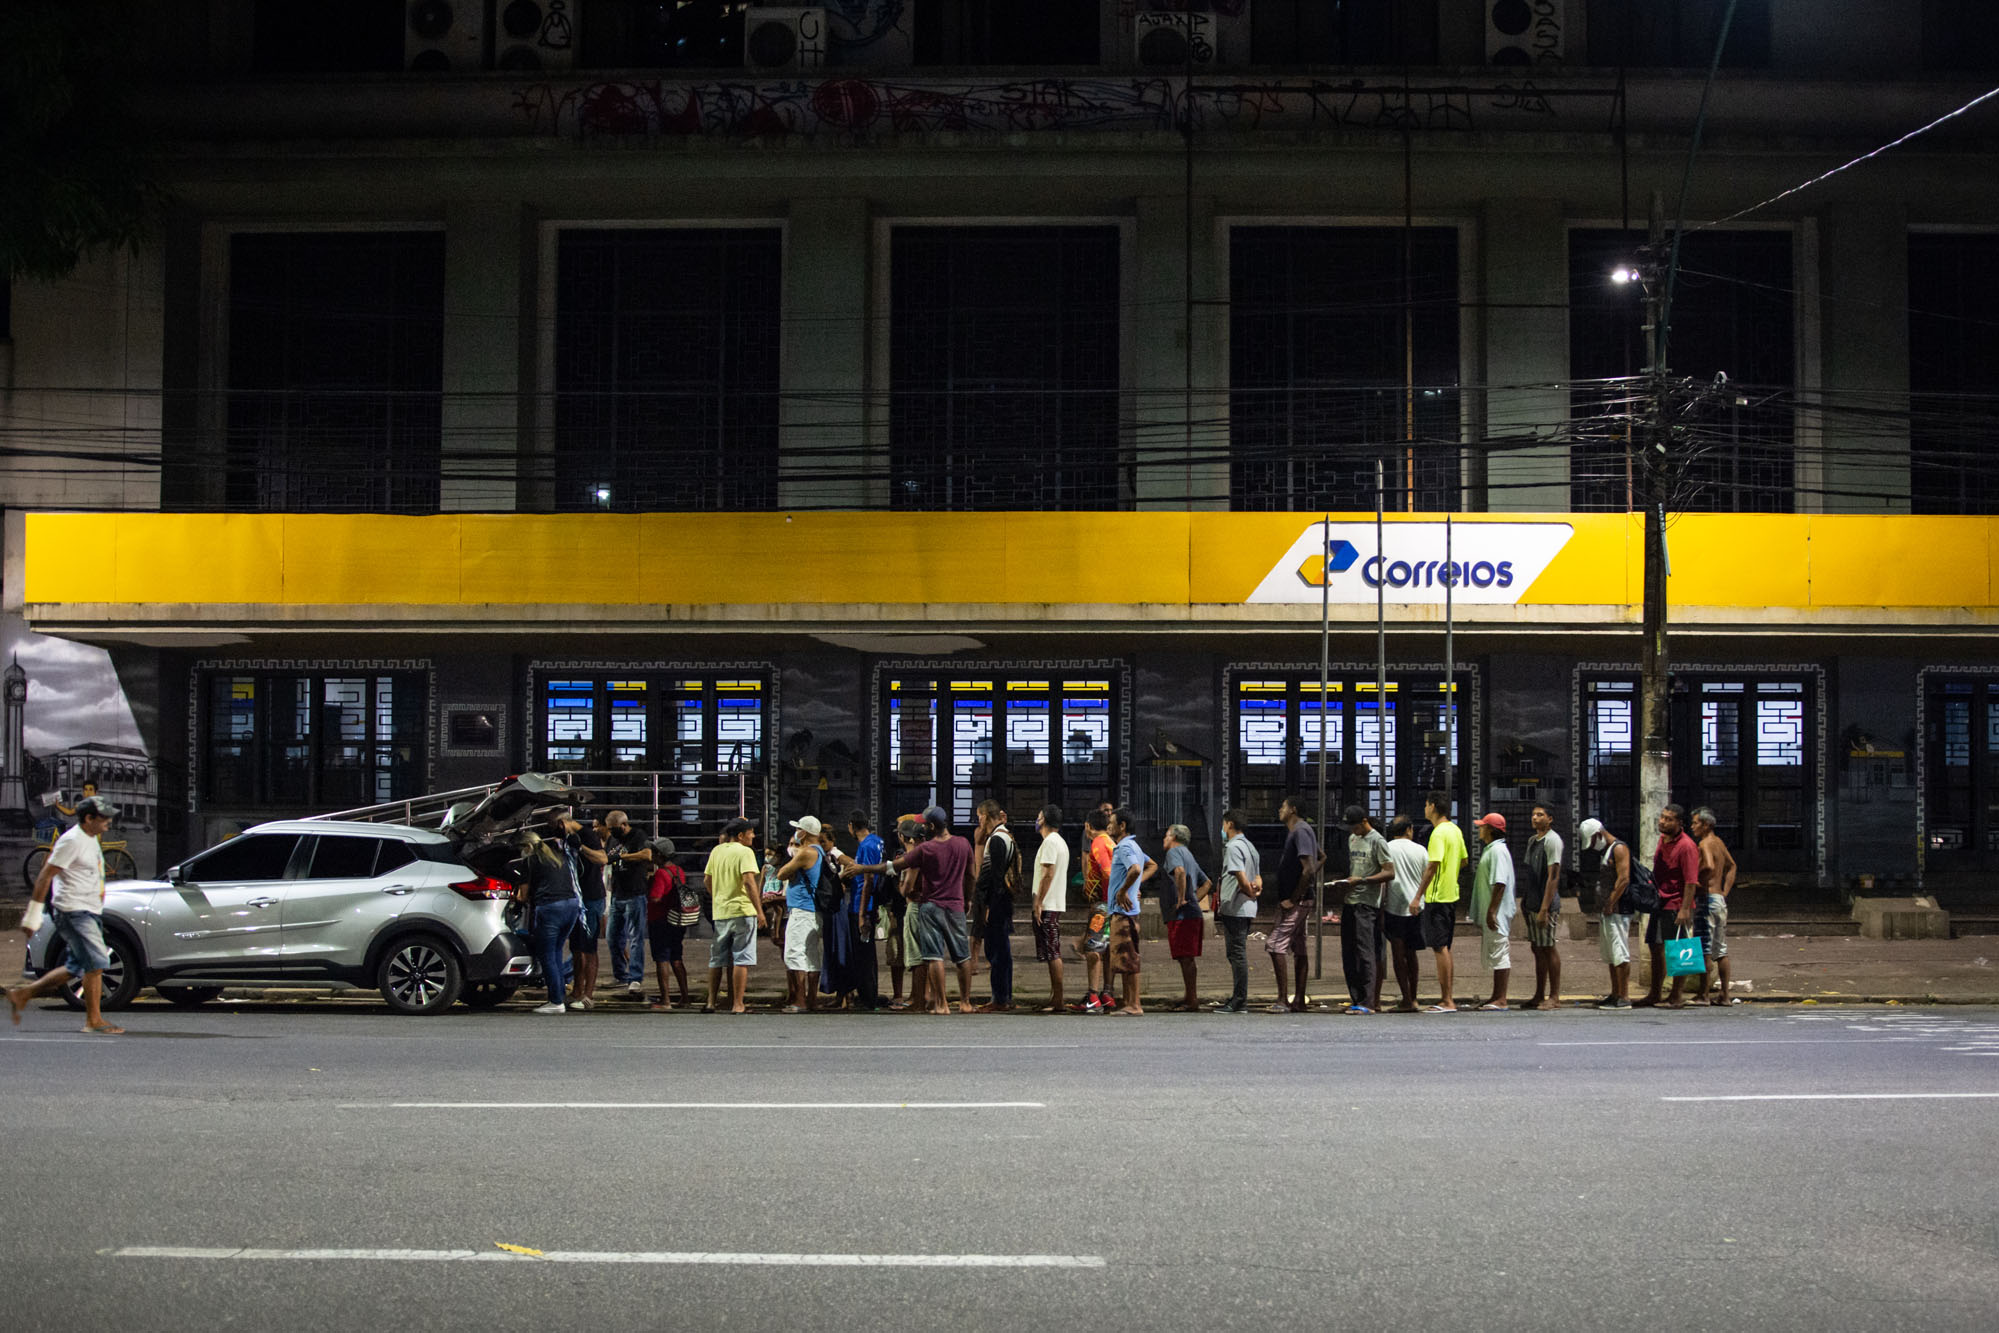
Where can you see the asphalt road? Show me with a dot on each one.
(1476, 1171)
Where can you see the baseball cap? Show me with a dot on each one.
(1493, 819)
(96, 805)
(935, 815)
(1352, 815)
(807, 824)
(1588, 830)
(662, 847)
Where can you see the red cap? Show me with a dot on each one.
(1495, 819)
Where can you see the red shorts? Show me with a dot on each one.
(1183, 938)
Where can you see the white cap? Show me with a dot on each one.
(1588, 830)
(807, 824)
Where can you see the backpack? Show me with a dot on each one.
(826, 894)
(1011, 875)
(1639, 893)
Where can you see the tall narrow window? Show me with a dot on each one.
(313, 741)
(336, 371)
(1023, 740)
(1004, 368)
(666, 369)
(1327, 377)
(1953, 372)
(1733, 315)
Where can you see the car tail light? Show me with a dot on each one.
(485, 887)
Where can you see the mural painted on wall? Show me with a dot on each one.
(869, 29)
(853, 105)
(68, 728)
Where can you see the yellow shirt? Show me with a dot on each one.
(1447, 849)
(728, 866)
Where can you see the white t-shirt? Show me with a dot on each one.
(79, 865)
(1054, 852)
(1410, 861)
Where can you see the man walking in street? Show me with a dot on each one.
(1369, 869)
(1614, 930)
(1541, 899)
(1676, 874)
(71, 882)
(1437, 897)
(1717, 882)
(999, 876)
(1297, 877)
(1401, 921)
(735, 893)
(1051, 899)
(1130, 869)
(1181, 889)
(1493, 902)
(631, 877)
(1235, 907)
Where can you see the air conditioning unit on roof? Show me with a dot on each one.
(784, 40)
(444, 35)
(1526, 32)
(536, 34)
(1200, 35)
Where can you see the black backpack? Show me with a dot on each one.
(1639, 893)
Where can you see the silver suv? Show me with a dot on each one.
(313, 903)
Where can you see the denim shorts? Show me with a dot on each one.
(941, 935)
(589, 926)
(82, 936)
(735, 942)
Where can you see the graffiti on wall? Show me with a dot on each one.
(851, 106)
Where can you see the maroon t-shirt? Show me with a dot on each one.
(1676, 865)
(940, 866)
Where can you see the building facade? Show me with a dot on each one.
(905, 401)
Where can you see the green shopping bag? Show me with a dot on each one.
(1685, 957)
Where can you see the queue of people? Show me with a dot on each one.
(939, 904)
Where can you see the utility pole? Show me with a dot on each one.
(1655, 777)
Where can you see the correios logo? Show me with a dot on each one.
(1487, 563)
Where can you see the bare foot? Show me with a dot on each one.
(1717, 1000)
(1675, 1004)
(1549, 1004)
(1645, 1004)
(1128, 1013)
(14, 1005)
(104, 1029)
(964, 1007)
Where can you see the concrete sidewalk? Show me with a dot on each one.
(1780, 967)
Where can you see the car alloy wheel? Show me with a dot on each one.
(418, 975)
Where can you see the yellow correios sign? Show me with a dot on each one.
(1765, 562)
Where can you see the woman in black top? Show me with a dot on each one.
(546, 875)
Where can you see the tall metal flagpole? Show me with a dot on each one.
(1325, 679)
(1381, 781)
(1450, 675)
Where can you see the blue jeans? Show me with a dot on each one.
(553, 923)
(628, 938)
(999, 950)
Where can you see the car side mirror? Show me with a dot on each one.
(173, 876)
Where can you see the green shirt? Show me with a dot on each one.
(728, 866)
(1447, 853)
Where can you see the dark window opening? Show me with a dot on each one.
(1005, 32)
(1961, 762)
(1745, 747)
(1960, 36)
(1343, 32)
(336, 372)
(1024, 741)
(666, 364)
(1326, 379)
(1383, 758)
(313, 741)
(1680, 35)
(1954, 372)
(1733, 314)
(344, 858)
(663, 34)
(327, 36)
(1004, 368)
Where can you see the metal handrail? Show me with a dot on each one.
(634, 789)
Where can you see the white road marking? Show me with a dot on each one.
(821, 1046)
(1834, 1097)
(692, 1106)
(1738, 1041)
(680, 1257)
